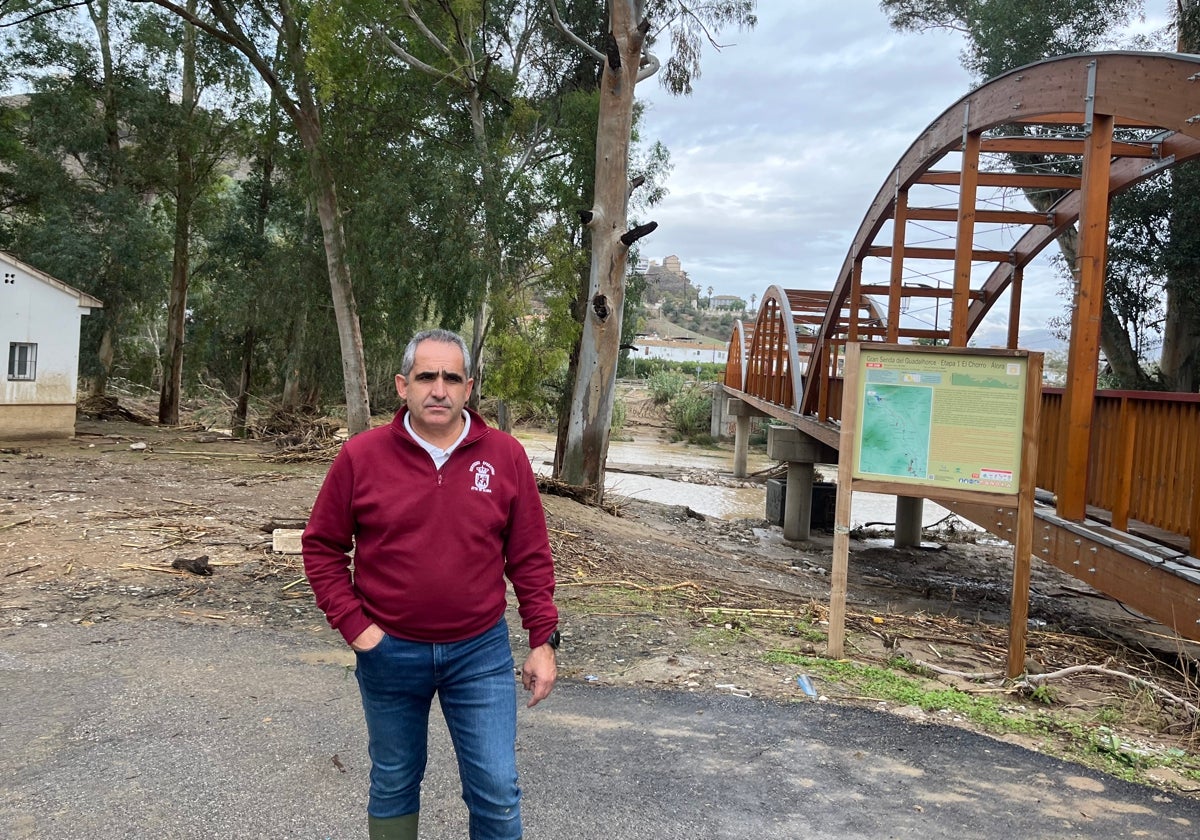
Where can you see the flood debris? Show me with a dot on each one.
(109, 408)
(195, 565)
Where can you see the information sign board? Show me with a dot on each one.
(933, 418)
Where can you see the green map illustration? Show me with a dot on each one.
(895, 430)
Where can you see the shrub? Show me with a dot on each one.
(691, 412)
(618, 415)
(665, 385)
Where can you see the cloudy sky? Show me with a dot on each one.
(791, 131)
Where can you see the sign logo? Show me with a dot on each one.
(483, 476)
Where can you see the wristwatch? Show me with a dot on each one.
(555, 639)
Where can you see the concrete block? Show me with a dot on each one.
(824, 503)
(776, 492)
(787, 444)
(736, 408)
(286, 540)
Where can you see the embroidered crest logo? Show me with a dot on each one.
(483, 476)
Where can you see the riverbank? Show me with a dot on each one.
(91, 530)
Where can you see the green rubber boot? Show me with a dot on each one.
(392, 828)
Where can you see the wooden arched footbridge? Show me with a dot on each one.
(1030, 158)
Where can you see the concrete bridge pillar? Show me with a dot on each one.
(741, 412)
(721, 425)
(909, 512)
(801, 452)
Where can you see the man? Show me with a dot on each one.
(438, 508)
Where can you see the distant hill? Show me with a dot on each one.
(667, 329)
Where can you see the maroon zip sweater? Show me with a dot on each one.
(431, 547)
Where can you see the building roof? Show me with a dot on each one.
(84, 298)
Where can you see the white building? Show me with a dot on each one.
(678, 350)
(39, 334)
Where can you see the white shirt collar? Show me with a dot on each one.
(439, 455)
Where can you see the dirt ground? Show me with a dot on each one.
(131, 522)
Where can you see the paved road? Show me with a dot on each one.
(166, 731)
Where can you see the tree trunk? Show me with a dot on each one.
(105, 355)
(106, 352)
(329, 211)
(478, 330)
(172, 381)
(242, 408)
(354, 363)
(291, 399)
(185, 190)
(599, 350)
(1180, 361)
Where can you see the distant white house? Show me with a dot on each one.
(39, 334)
(678, 350)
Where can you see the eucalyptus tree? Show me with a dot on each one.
(634, 29)
(77, 202)
(196, 137)
(274, 38)
(1004, 34)
(496, 74)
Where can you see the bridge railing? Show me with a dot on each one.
(1144, 462)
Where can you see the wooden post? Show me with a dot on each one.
(899, 224)
(1084, 351)
(1018, 622)
(1014, 308)
(964, 245)
(841, 523)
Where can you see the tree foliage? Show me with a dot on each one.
(1152, 286)
(311, 151)
(1005, 34)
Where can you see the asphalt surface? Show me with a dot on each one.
(166, 730)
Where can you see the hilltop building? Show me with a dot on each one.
(728, 302)
(667, 278)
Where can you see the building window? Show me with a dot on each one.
(22, 361)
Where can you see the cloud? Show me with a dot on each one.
(789, 135)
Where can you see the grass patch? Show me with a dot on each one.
(897, 686)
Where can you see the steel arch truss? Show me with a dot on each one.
(1108, 120)
(777, 349)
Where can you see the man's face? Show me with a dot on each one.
(435, 390)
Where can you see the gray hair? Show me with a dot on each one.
(445, 337)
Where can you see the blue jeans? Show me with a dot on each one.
(473, 680)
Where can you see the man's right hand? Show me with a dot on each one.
(367, 639)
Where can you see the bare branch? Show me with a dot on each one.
(1191, 708)
(414, 62)
(233, 35)
(433, 39)
(42, 13)
(650, 66)
(575, 39)
(634, 183)
(634, 234)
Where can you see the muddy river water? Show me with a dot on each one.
(710, 500)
